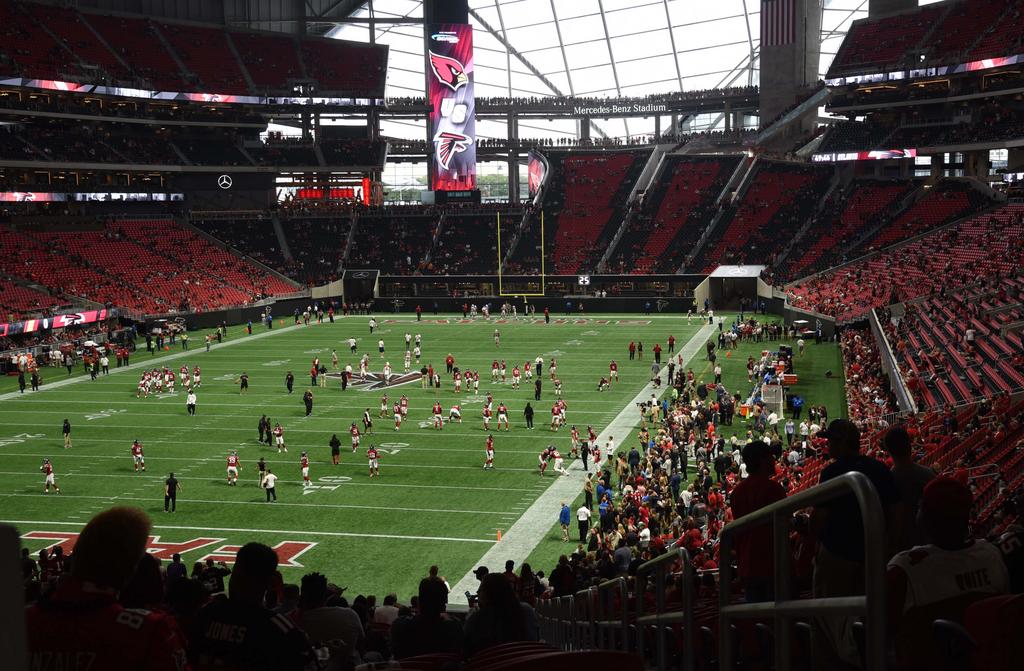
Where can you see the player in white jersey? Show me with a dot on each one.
(197, 378)
(559, 468)
(387, 373)
(455, 414)
(408, 360)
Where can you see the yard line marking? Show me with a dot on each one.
(343, 464)
(123, 497)
(522, 537)
(242, 446)
(341, 534)
(351, 483)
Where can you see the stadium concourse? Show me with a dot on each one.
(512, 334)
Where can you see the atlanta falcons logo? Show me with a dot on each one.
(662, 304)
(449, 144)
(374, 380)
(448, 71)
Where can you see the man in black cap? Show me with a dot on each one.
(839, 563)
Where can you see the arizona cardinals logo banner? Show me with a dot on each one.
(453, 110)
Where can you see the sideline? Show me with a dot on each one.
(520, 540)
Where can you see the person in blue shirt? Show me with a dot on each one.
(798, 406)
(602, 511)
(673, 484)
(564, 517)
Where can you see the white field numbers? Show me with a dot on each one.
(103, 414)
(20, 438)
(327, 483)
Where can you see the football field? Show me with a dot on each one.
(433, 504)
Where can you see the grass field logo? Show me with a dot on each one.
(375, 381)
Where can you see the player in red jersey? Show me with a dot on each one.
(371, 455)
(502, 416)
(487, 417)
(138, 458)
(47, 469)
(458, 382)
(279, 438)
(354, 430)
(476, 383)
(233, 467)
(183, 374)
(398, 415)
(602, 384)
(383, 407)
(304, 465)
(404, 402)
(515, 377)
(574, 437)
(503, 369)
(438, 420)
(489, 453)
(494, 371)
(543, 458)
(81, 625)
(556, 417)
(455, 414)
(197, 378)
(613, 371)
(595, 449)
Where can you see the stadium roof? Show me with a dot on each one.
(593, 48)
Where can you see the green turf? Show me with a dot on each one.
(434, 504)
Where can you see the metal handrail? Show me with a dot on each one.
(556, 619)
(612, 633)
(871, 605)
(661, 566)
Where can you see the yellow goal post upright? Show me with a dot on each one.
(501, 286)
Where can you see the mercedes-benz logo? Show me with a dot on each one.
(225, 181)
(360, 275)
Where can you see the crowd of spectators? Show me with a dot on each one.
(546, 102)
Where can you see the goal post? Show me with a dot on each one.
(501, 282)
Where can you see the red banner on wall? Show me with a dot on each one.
(58, 322)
